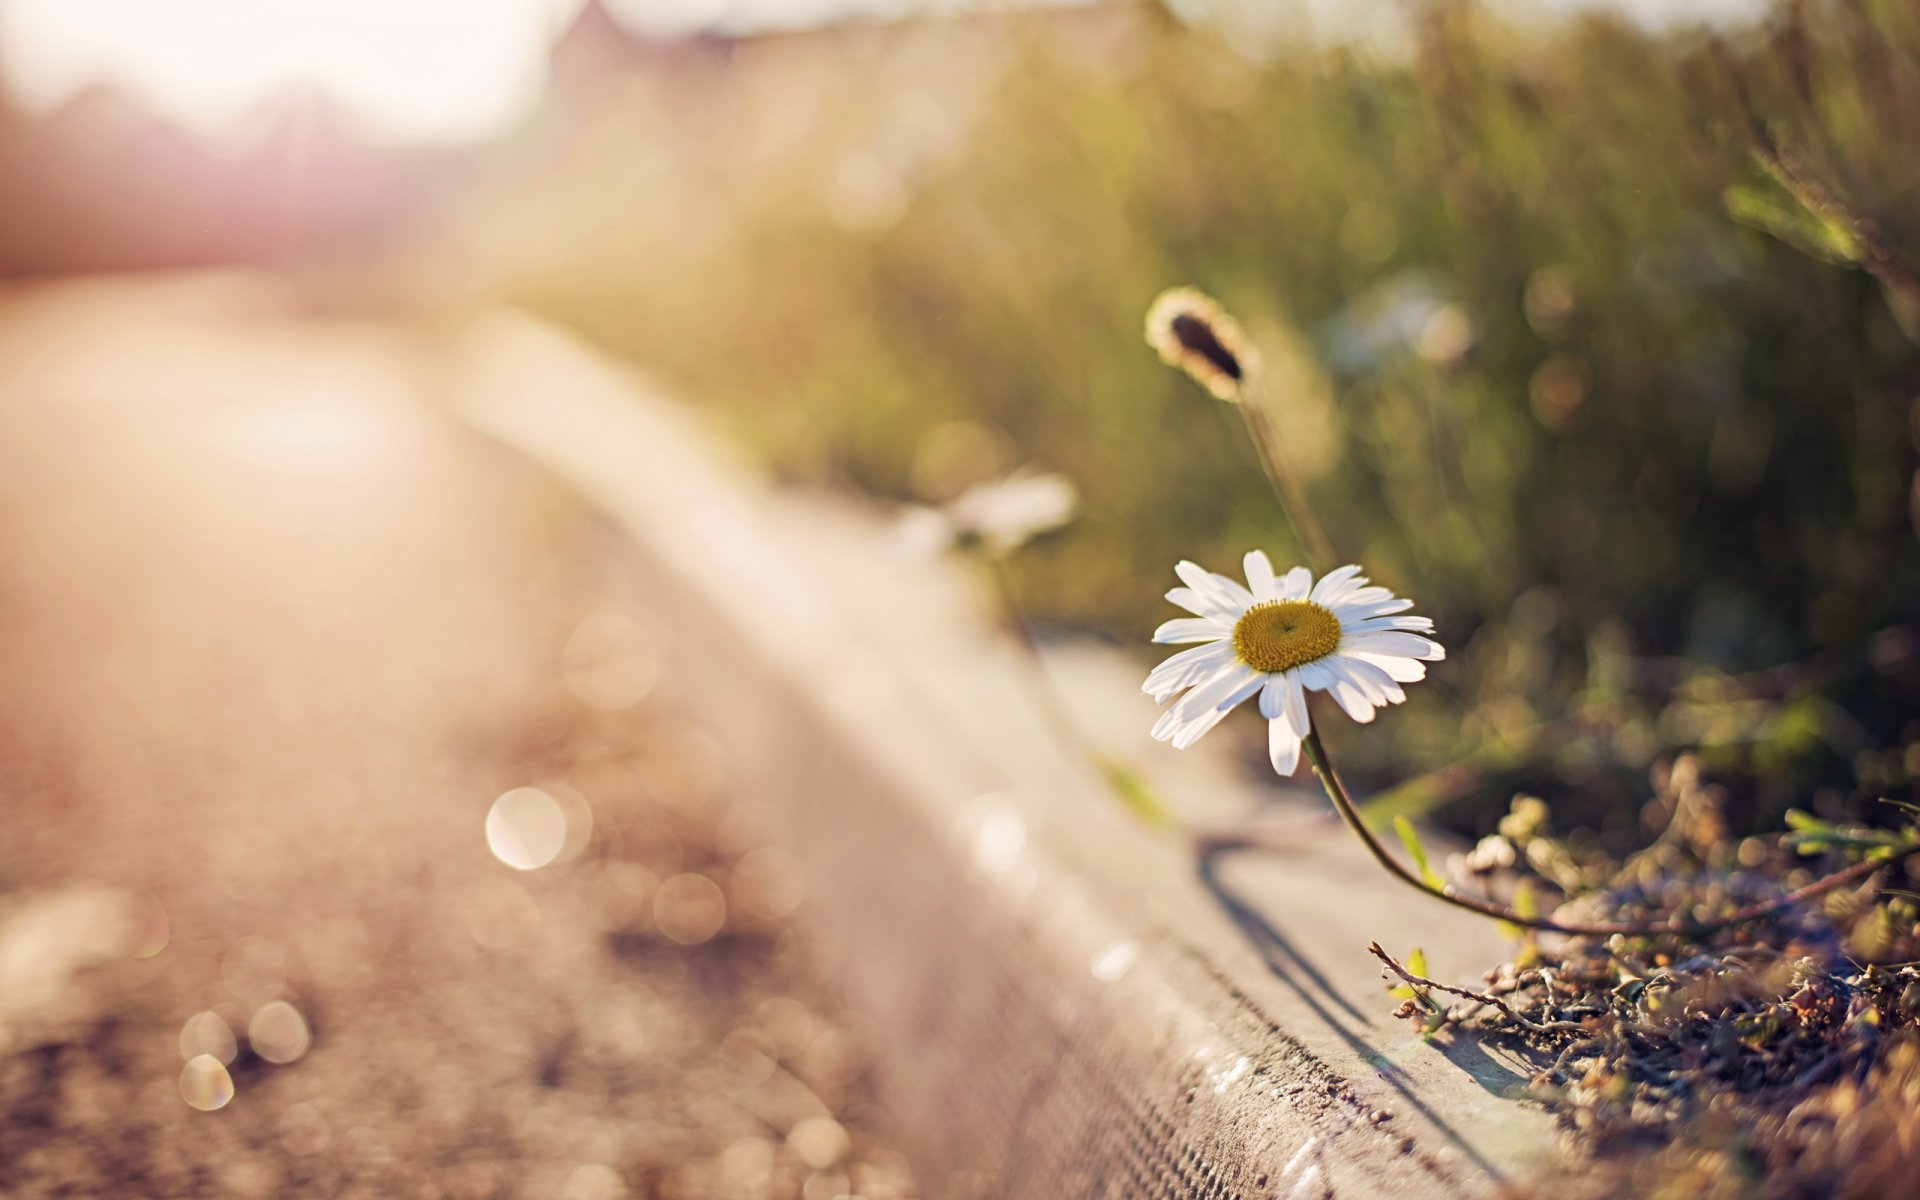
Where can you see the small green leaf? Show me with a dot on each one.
(1811, 224)
(1525, 902)
(1136, 793)
(1807, 844)
(1811, 836)
(1411, 841)
(1808, 823)
(1416, 965)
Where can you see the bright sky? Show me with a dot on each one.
(412, 70)
(433, 70)
(438, 70)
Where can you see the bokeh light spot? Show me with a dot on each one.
(769, 883)
(1001, 838)
(1112, 964)
(689, 909)
(592, 1181)
(278, 1033)
(208, 1033)
(304, 1130)
(785, 1026)
(151, 928)
(827, 1185)
(747, 1165)
(819, 1141)
(1446, 337)
(688, 766)
(205, 1084)
(526, 828)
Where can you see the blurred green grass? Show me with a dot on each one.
(1557, 353)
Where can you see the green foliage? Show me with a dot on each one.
(1772, 206)
(1418, 853)
(1811, 835)
(1553, 354)
(1416, 965)
(1526, 902)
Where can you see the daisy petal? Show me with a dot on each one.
(1296, 709)
(1191, 629)
(1406, 645)
(1283, 747)
(1217, 588)
(1283, 702)
(1203, 707)
(1369, 596)
(1202, 606)
(1179, 713)
(1165, 725)
(1295, 585)
(1400, 670)
(1351, 609)
(1380, 686)
(1375, 624)
(1190, 733)
(1347, 692)
(1273, 696)
(1182, 734)
(1224, 690)
(1313, 676)
(1259, 574)
(1335, 585)
(1187, 668)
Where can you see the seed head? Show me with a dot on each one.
(1196, 335)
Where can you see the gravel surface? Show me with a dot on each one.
(357, 849)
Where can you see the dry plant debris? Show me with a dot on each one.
(1775, 1060)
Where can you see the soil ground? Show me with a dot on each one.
(274, 640)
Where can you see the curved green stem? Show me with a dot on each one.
(1337, 792)
(1120, 777)
(1052, 709)
(1285, 482)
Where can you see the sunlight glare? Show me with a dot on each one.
(418, 70)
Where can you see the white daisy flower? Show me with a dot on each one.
(1282, 637)
(1005, 514)
(999, 516)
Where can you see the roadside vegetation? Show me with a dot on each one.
(1604, 343)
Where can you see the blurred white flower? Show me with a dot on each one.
(1282, 637)
(998, 517)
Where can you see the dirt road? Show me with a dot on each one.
(273, 641)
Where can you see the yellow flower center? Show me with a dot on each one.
(1278, 635)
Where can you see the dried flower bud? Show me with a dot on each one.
(1493, 853)
(1196, 335)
